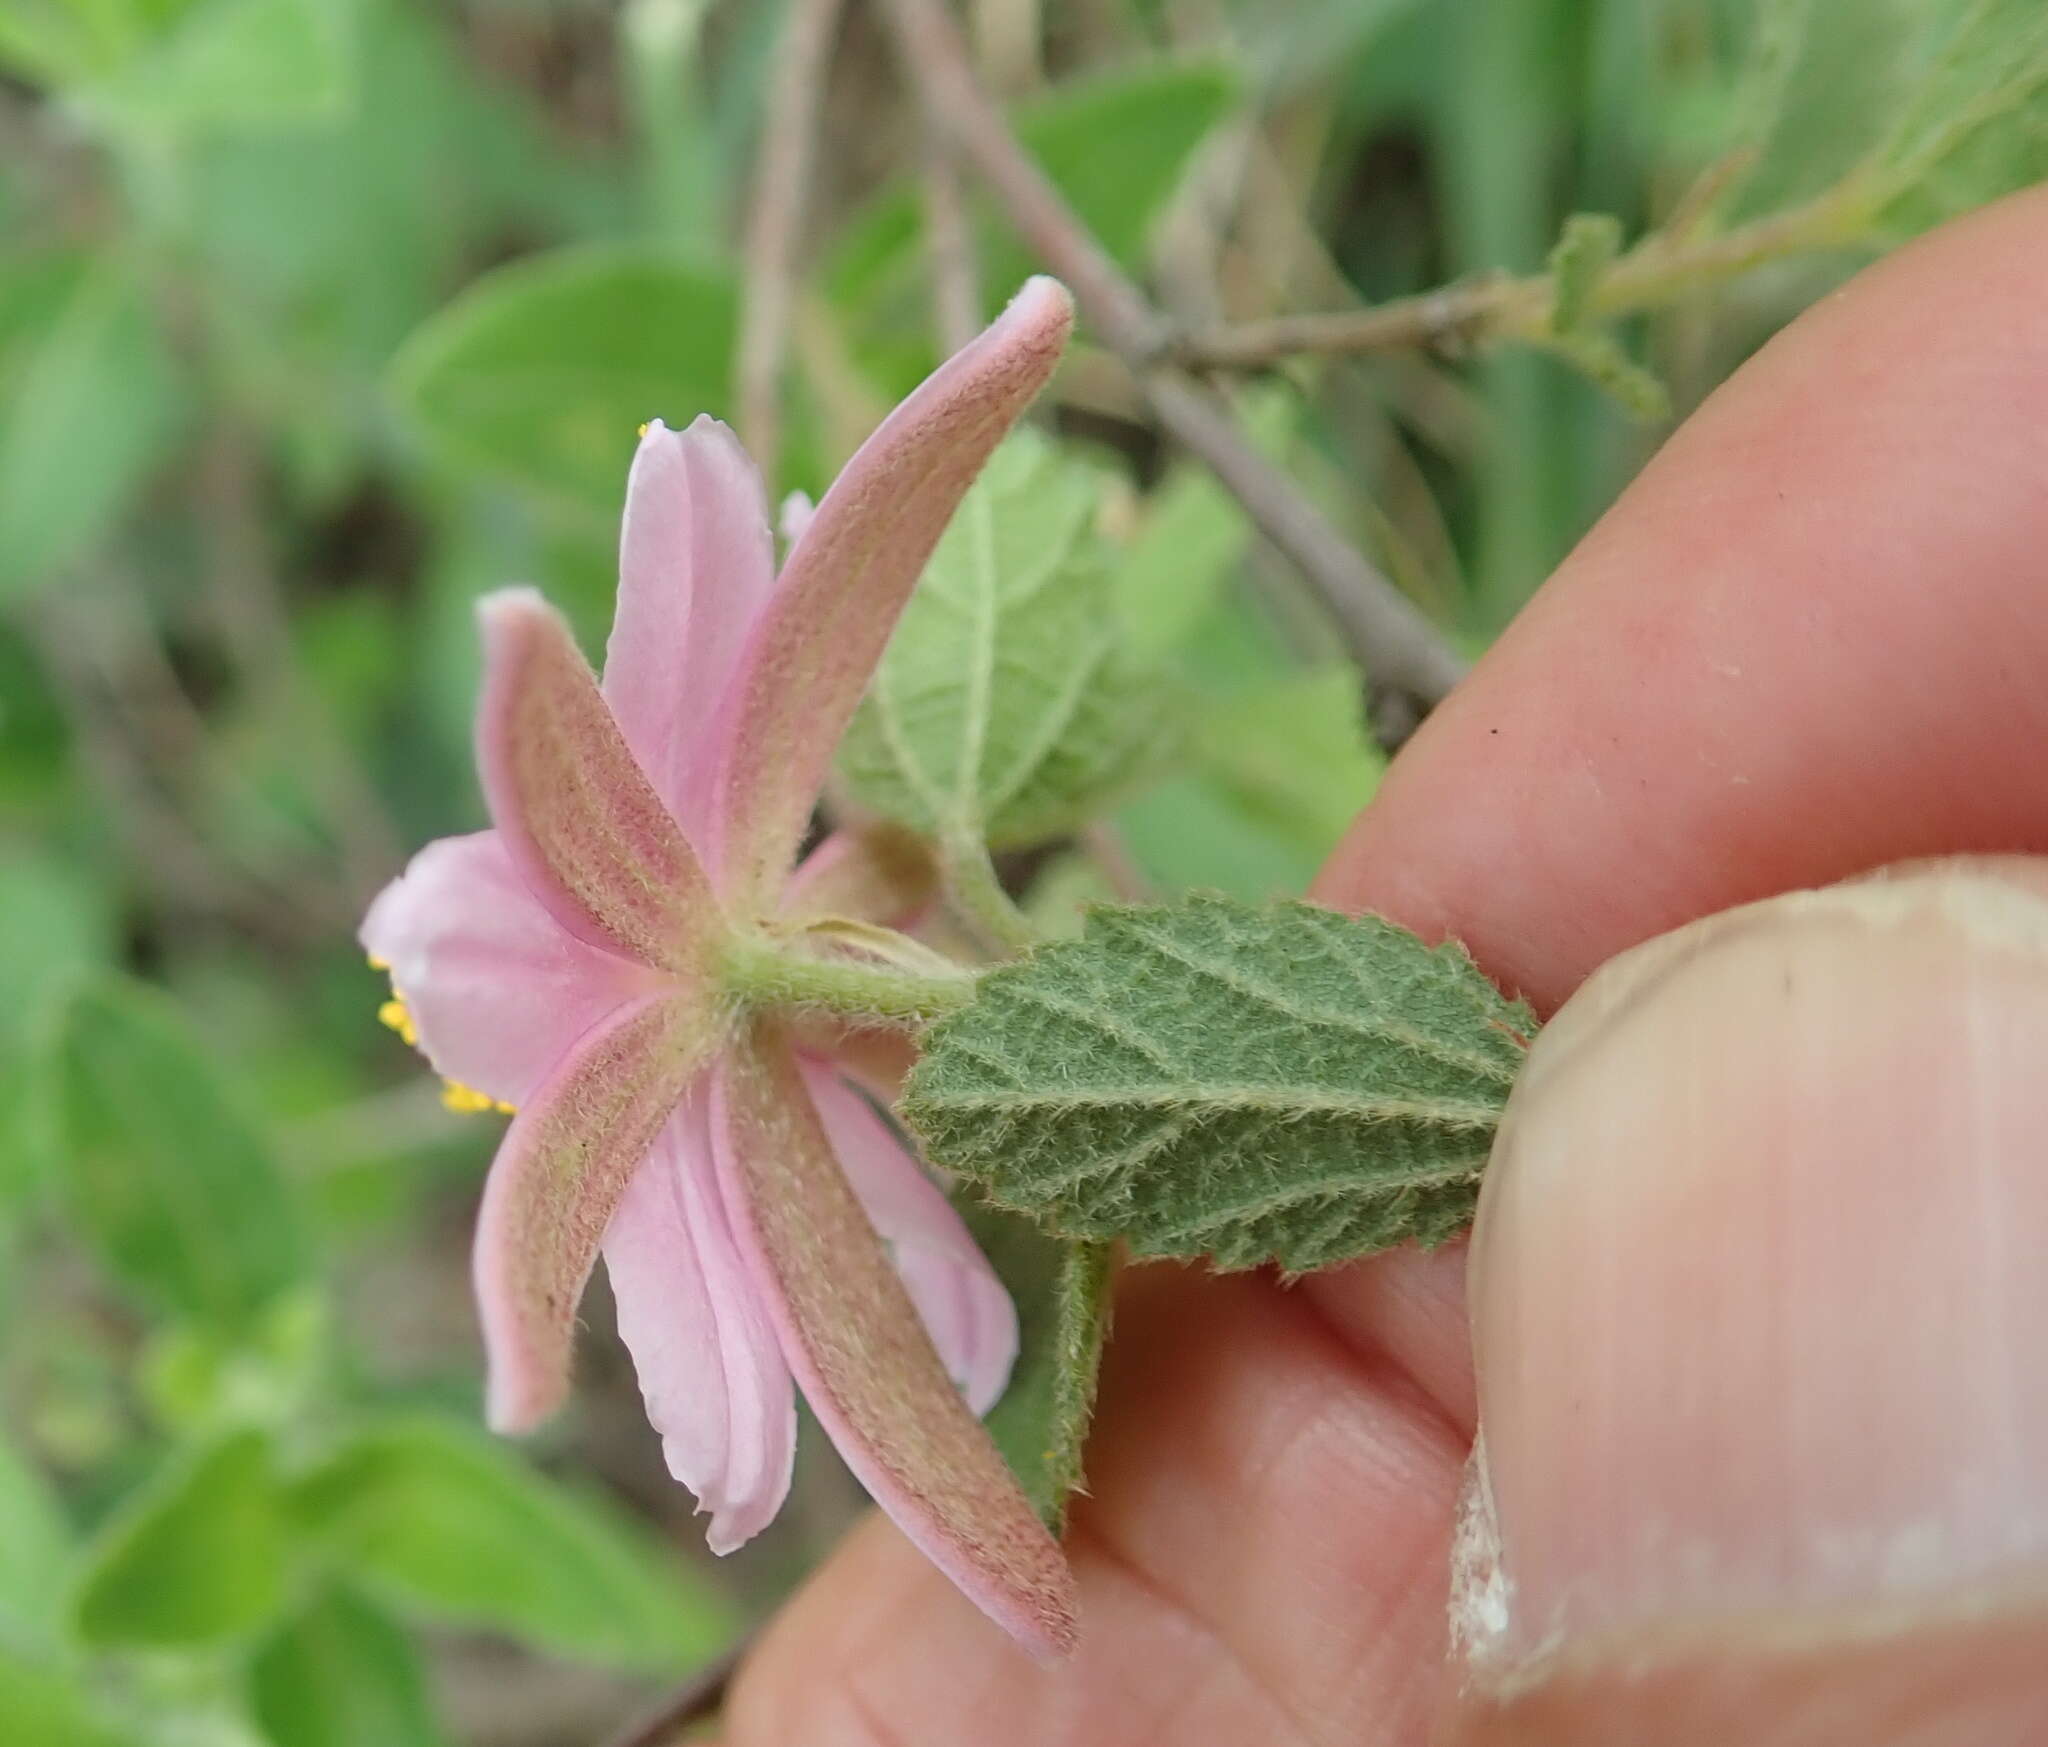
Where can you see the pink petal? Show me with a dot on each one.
(585, 831)
(716, 1386)
(871, 873)
(862, 1357)
(965, 1308)
(559, 1175)
(815, 648)
(696, 565)
(496, 991)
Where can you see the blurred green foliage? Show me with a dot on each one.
(317, 317)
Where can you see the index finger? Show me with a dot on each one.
(1811, 638)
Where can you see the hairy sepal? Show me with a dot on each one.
(557, 1180)
(864, 1360)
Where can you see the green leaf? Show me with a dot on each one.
(1172, 575)
(1116, 146)
(1938, 105)
(1823, 80)
(1293, 753)
(1189, 834)
(46, 1707)
(1276, 768)
(165, 1173)
(455, 1525)
(189, 66)
(243, 64)
(89, 407)
(1008, 707)
(1174, 571)
(1975, 121)
(540, 373)
(56, 927)
(1061, 1290)
(72, 42)
(197, 1557)
(1068, 883)
(35, 1552)
(341, 1673)
(1212, 1078)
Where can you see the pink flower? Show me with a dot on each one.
(763, 1228)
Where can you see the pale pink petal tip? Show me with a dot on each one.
(1041, 301)
(696, 566)
(509, 607)
(519, 1398)
(525, 1382)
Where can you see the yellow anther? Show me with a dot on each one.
(379, 964)
(644, 429)
(465, 1099)
(468, 1101)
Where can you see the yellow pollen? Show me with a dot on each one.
(465, 1099)
(468, 1101)
(379, 964)
(643, 430)
(393, 1013)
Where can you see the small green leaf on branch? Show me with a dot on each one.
(1248, 1083)
(1604, 361)
(1585, 249)
(196, 1557)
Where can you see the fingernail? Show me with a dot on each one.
(1760, 1275)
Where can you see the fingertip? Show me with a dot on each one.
(1755, 1328)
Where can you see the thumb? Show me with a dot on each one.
(1759, 1307)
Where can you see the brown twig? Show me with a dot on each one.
(1497, 307)
(1394, 643)
(775, 217)
(699, 1697)
(956, 275)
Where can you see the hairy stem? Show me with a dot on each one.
(765, 973)
(971, 884)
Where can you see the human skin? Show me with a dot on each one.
(1810, 640)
